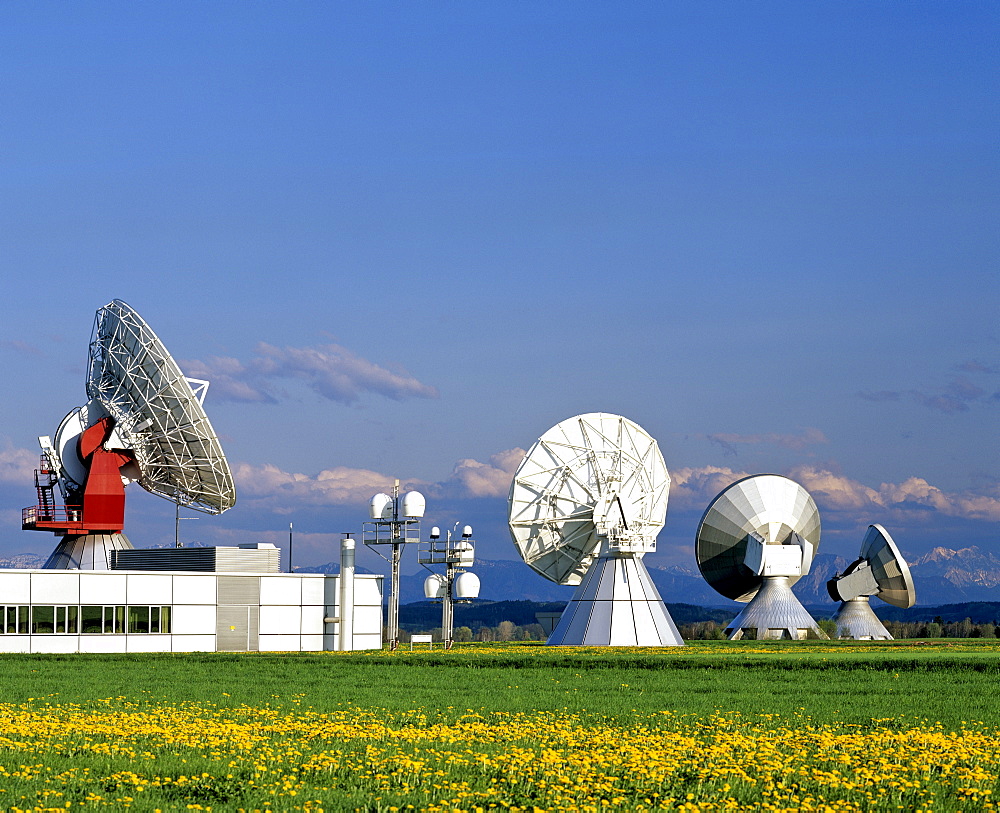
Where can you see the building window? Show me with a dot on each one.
(159, 619)
(138, 619)
(46, 620)
(43, 620)
(70, 615)
(115, 620)
(143, 619)
(90, 619)
(13, 619)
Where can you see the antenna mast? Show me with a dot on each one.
(456, 585)
(395, 521)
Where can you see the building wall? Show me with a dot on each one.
(206, 612)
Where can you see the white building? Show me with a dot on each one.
(182, 611)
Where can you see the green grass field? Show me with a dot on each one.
(816, 724)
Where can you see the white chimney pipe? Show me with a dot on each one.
(347, 594)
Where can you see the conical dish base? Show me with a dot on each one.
(87, 552)
(774, 613)
(857, 620)
(616, 604)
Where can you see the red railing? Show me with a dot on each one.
(35, 515)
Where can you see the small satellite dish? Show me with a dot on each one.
(144, 422)
(585, 505)
(879, 571)
(755, 540)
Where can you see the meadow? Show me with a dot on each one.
(812, 725)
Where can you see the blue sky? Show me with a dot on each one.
(404, 239)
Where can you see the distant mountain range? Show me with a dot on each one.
(941, 576)
(22, 561)
(945, 575)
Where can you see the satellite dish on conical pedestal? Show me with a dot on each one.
(144, 423)
(755, 540)
(880, 571)
(585, 505)
(86, 552)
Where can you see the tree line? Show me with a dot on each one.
(715, 631)
(504, 631)
(938, 628)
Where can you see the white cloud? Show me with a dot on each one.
(694, 489)
(834, 491)
(839, 493)
(331, 371)
(267, 484)
(229, 379)
(337, 486)
(491, 479)
(18, 466)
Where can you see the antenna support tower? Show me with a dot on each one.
(456, 585)
(395, 522)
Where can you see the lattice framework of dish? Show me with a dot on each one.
(581, 480)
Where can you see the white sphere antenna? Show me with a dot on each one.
(435, 586)
(380, 506)
(466, 586)
(413, 505)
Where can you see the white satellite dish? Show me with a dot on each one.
(144, 422)
(755, 540)
(157, 412)
(585, 505)
(880, 571)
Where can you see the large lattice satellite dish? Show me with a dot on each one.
(158, 412)
(755, 540)
(880, 571)
(144, 422)
(585, 505)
